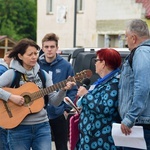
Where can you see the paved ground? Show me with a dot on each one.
(53, 146)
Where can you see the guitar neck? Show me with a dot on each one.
(78, 77)
(50, 89)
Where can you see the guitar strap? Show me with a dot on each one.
(43, 79)
(18, 75)
(16, 79)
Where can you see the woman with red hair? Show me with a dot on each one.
(100, 104)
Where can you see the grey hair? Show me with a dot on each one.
(139, 27)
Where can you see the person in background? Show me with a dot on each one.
(134, 84)
(58, 69)
(4, 65)
(34, 130)
(99, 104)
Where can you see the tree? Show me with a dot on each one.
(18, 18)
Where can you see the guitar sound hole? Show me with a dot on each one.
(27, 99)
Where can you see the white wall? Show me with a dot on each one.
(87, 27)
(118, 9)
(47, 23)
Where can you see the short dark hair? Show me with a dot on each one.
(50, 37)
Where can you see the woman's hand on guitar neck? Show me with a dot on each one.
(69, 85)
(17, 99)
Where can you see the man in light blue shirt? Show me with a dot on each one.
(134, 85)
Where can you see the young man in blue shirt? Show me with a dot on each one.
(59, 69)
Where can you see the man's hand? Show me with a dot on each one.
(125, 130)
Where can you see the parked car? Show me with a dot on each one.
(83, 58)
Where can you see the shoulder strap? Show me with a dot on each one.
(130, 59)
(3, 66)
(43, 79)
(16, 79)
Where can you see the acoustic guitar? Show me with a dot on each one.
(11, 114)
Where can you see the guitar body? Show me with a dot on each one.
(13, 114)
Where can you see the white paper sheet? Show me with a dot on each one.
(134, 140)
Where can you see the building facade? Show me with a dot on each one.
(96, 23)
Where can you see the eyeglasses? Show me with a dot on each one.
(97, 60)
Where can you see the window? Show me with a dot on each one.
(111, 40)
(79, 5)
(49, 6)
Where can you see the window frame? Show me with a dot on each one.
(50, 6)
(80, 6)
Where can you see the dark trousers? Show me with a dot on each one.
(59, 128)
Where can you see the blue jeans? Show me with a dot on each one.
(3, 139)
(146, 136)
(24, 137)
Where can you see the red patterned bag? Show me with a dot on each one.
(74, 131)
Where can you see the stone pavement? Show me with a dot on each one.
(53, 146)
